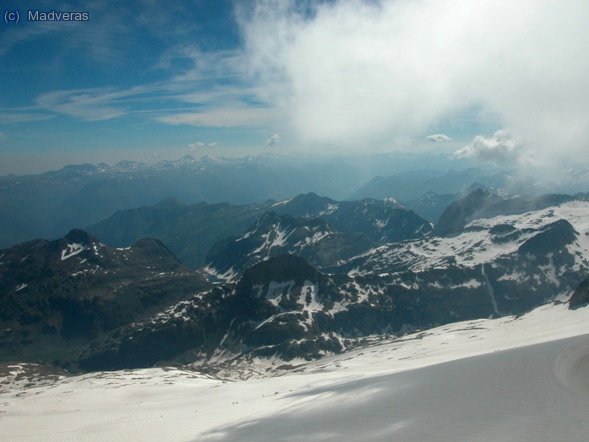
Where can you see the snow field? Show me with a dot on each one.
(368, 393)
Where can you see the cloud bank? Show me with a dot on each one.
(372, 71)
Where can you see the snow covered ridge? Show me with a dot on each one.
(363, 394)
(483, 241)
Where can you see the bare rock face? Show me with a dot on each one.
(580, 297)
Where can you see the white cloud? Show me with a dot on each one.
(85, 104)
(273, 140)
(16, 116)
(221, 117)
(439, 138)
(375, 71)
(502, 149)
(212, 144)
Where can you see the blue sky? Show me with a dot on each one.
(93, 88)
(144, 79)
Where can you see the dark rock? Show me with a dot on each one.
(580, 296)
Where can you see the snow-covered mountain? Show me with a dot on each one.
(300, 289)
(325, 232)
(273, 235)
(283, 307)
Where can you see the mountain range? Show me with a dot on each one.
(50, 204)
(308, 277)
(192, 230)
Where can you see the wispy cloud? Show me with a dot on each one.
(359, 71)
(235, 116)
(16, 116)
(199, 65)
(110, 37)
(89, 105)
(200, 96)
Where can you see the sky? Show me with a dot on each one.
(495, 81)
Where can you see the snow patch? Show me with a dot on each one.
(72, 250)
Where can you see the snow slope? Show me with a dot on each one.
(486, 380)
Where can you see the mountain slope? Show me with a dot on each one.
(520, 260)
(273, 235)
(189, 230)
(56, 296)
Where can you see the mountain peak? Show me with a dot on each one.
(79, 236)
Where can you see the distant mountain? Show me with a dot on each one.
(283, 308)
(274, 235)
(297, 285)
(50, 204)
(325, 233)
(381, 220)
(431, 205)
(485, 204)
(520, 260)
(409, 186)
(191, 230)
(56, 296)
